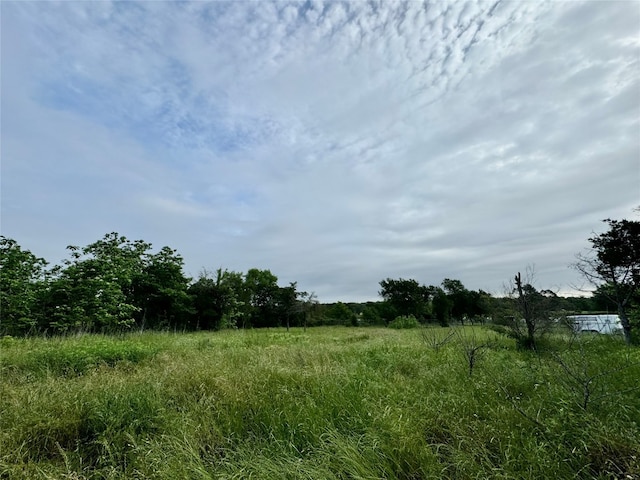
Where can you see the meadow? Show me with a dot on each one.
(325, 403)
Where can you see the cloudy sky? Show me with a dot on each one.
(336, 144)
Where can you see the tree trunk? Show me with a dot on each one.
(526, 313)
(624, 320)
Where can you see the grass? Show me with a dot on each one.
(328, 403)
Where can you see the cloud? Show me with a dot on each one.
(336, 143)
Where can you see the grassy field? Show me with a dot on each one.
(328, 403)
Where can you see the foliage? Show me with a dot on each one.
(451, 301)
(217, 302)
(307, 307)
(261, 289)
(340, 314)
(371, 315)
(533, 313)
(459, 298)
(442, 305)
(462, 304)
(94, 290)
(22, 281)
(116, 285)
(407, 297)
(614, 265)
(159, 291)
(386, 311)
(404, 321)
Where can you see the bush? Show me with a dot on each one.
(502, 330)
(404, 321)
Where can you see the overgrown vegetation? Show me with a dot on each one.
(613, 266)
(524, 397)
(404, 321)
(325, 403)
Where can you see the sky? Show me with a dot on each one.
(334, 143)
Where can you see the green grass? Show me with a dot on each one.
(328, 403)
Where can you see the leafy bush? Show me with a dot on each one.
(501, 329)
(404, 321)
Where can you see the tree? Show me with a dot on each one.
(441, 305)
(114, 284)
(614, 261)
(216, 300)
(262, 290)
(308, 307)
(341, 314)
(407, 297)
(534, 308)
(208, 302)
(465, 304)
(288, 302)
(479, 305)
(371, 315)
(22, 281)
(460, 299)
(386, 311)
(159, 291)
(94, 290)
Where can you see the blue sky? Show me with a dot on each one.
(334, 143)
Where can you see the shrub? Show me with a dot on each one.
(404, 321)
(501, 329)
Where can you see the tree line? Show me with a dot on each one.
(116, 284)
(451, 302)
(611, 268)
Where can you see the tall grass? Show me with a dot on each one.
(328, 403)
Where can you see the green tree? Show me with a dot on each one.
(459, 297)
(159, 291)
(262, 291)
(387, 311)
(22, 283)
(466, 304)
(614, 261)
(308, 307)
(94, 290)
(288, 302)
(217, 299)
(407, 297)
(600, 301)
(479, 305)
(441, 305)
(340, 314)
(371, 315)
